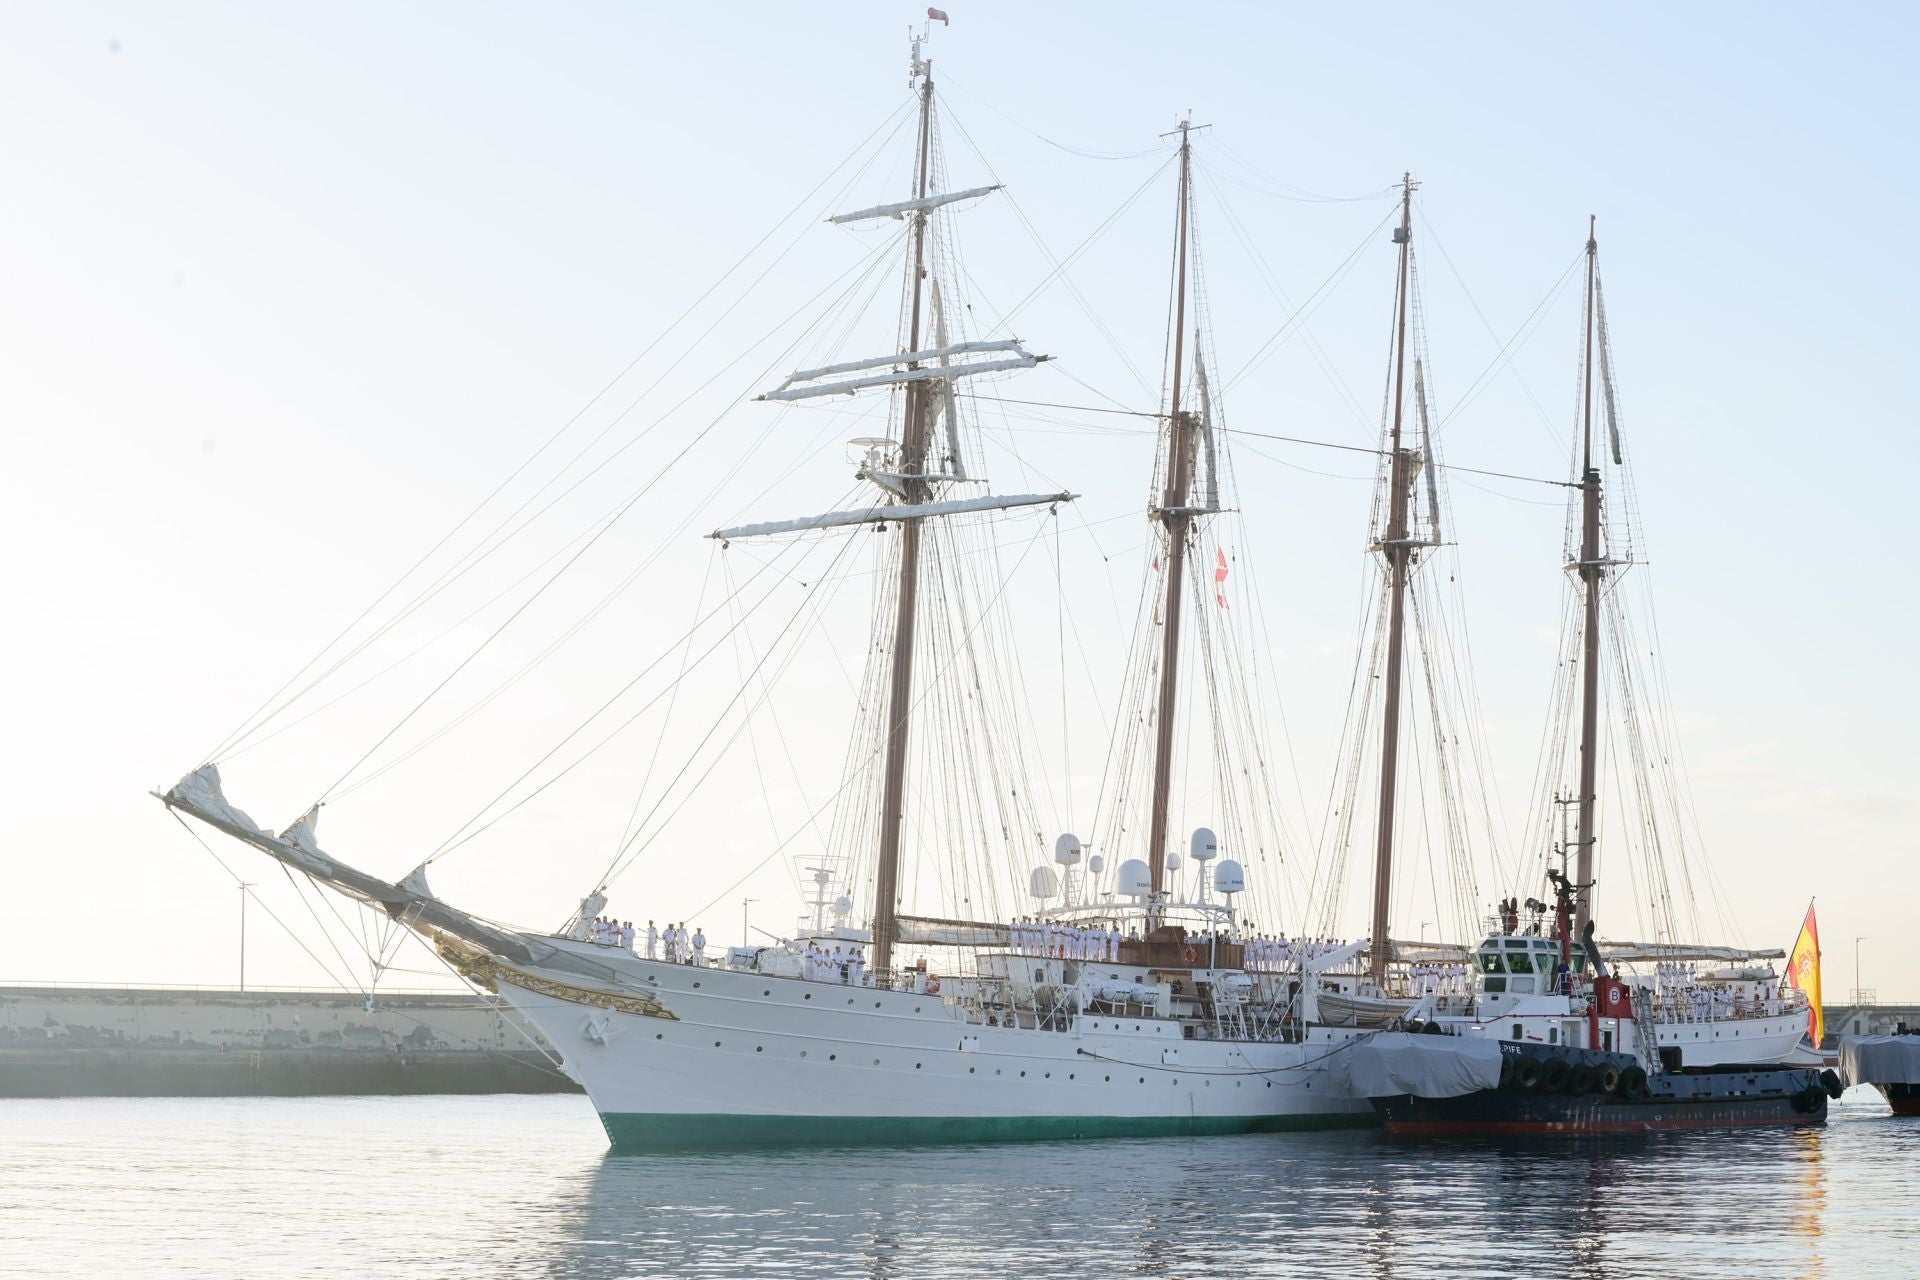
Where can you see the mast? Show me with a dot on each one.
(1175, 519)
(1397, 549)
(1590, 566)
(886, 881)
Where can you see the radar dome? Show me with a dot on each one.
(1096, 864)
(842, 905)
(1066, 850)
(1133, 880)
(1206, 845)
(1043, 883)
(1229, 877)
(1173, 861)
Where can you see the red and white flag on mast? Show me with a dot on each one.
(939, 16)
(1220, 577)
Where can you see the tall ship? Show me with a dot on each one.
(1136, 1010)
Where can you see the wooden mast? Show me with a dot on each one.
(1397, 549)
(911, 464)
(1591, 566)
(1175, 519)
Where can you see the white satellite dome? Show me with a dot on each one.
(1095, 864)
(1229, 877)
(1043, 883)
(1133, 879)
(1206, 845)
(1173, 861)
(842, 905)
(1066, 850)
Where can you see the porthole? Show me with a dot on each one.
(759, 1048)
(833, 1057)
(767, 992)
(969, 1070)
(807, 996)
(876, 1004)
(1070, 1075)
(696, 986)
(916, 1066)
(1108, 1079)
(659, 1036)
(1143, 1079)
(1023, 1075)
(716, 1044)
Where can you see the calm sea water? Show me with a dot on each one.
(523, 1186)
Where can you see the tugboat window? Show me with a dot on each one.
(1490, 962)
(1520, 963)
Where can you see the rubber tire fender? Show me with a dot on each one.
(1610, 1079)
(1581, 1080)
(1831, 1083)
(1553, 1076)
(1527, 1073)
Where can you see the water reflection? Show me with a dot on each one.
(439, 1188)
(1294, 1205)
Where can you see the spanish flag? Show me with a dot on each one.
(1803, 971)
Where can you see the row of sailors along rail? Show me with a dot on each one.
(1062, 941)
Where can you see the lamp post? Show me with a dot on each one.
(1423, 931)
(746, 933)
(1856, 969)
(244, 886)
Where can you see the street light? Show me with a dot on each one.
(244, 885)
(1423, 931)
(1856, 968)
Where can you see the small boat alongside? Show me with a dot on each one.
(1890, 1064)
(1457, 1085)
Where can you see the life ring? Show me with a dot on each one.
(933, 986)
(1190, 954)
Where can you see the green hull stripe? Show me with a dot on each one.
(635, 1130)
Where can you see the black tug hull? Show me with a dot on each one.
(1718, 1099)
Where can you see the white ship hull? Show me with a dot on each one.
(716, 1057)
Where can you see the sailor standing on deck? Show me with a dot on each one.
(653, 941)
(699, 945)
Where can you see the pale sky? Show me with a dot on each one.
(290, 289)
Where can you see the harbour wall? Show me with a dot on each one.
(60, 1040)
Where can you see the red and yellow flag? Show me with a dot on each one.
(1803, 971)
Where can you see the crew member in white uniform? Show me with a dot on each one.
(699, 946)
(653, 942)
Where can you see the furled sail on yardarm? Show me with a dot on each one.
(1134, 997)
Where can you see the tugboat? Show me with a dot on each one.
(1593, 1071)
(1890, 1064)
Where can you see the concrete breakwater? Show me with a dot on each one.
(82, 1041)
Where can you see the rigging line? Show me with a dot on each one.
(635, 845)
(1298, 318)
(1272, 281)
(1427, 226)
(318, 923)
(860, 770)
(1060, 268)
(946, 78)
(608, 523)
(258, 900)
(248, 720)
(1511, 347)
(482, 550)
(1221, 145)
(457, 839)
